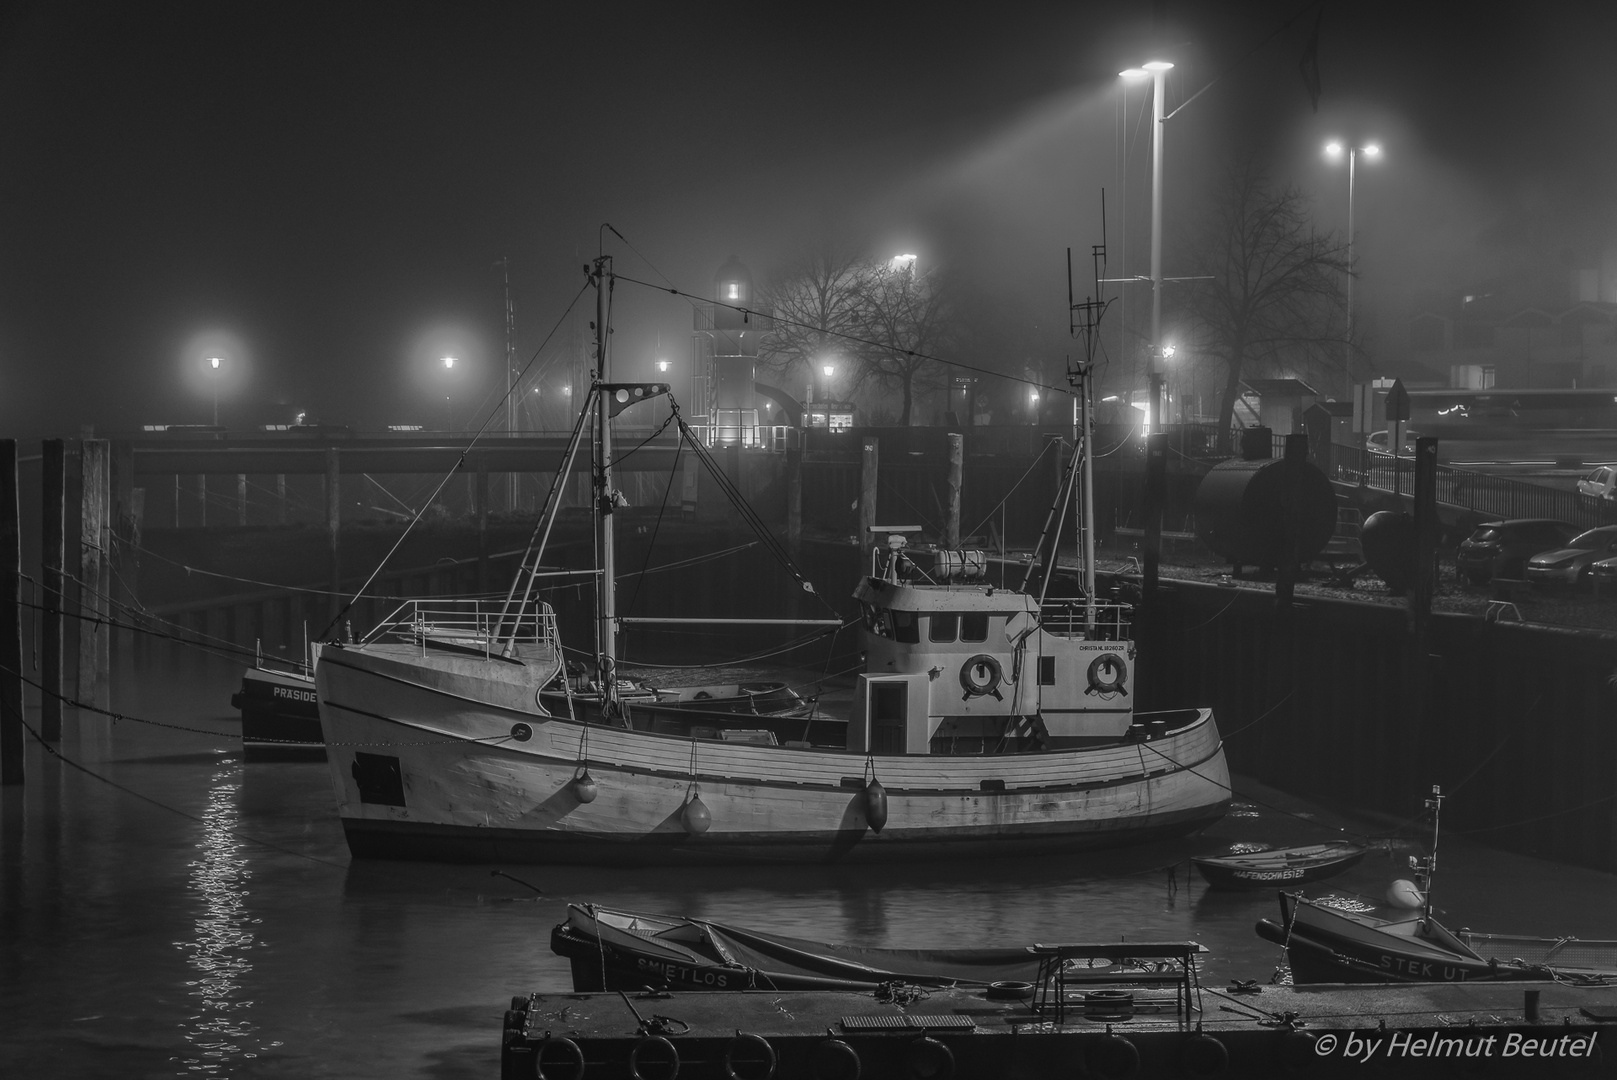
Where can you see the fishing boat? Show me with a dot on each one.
(280, 715)
(629, 950)
(1331, 942)
(989, 722)
(1273, 866)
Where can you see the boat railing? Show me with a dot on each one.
(1567, 952)
(1070, 618)
(486, 627)
(1100, 980)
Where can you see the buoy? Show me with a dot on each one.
(928, 1059)
(875, 805)
(1203, 1056)
(834, 1059)
(695, 816)
(570, 1065)
(749, 1057)
(584, 789)
(1403, 893)
(1112, 1057)
(661, 1063)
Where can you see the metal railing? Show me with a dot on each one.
(1068, 618)
(474, 626)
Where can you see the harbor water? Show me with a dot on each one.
(167, 909)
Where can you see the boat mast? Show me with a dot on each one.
(606, 585)
(1086, 505)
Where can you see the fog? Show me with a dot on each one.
(323, 192)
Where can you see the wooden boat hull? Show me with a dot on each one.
(280, 717)
(618, 950)
(434, 772)
(1265, 870)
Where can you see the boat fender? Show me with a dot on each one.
(1107, 673)
(834, 1059)
(981, 675)
(1297, 1054)
(875, 805)
(584, 787)
(928, 1059)
(1112, 1057)
(749, 1057)
(1405, 894)
(662, 1061)
(695, 816)
(1203, 1056)
(569, 1067)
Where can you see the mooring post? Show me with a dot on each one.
(1156, 492)
(11, 741)
(869, 467)
(280, 498)
(1290, 484)
(125, 510)
(957, 465)
(95, 637)
(202, 498)
(794, 498)
(1425, 495)
(53, 536)
(241, 500)
(482, 522)
(333, 523)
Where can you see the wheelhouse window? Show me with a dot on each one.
(943, 627)
(974, 626)
(906, 627)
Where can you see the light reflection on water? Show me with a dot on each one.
(220, 1031)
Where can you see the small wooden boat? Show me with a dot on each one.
(280, 715)
(1279, 866)
(628, 950)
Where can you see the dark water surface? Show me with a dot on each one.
(168, 910)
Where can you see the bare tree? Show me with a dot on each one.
(909, 317)
(816, 304)
(1275, 302)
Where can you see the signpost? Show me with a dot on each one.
(1397, 414)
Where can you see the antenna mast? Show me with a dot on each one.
(1083, 322)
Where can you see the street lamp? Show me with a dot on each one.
(1157, 71)
(213, 363)
(449, 408)
(662, 366)
(1333, 150)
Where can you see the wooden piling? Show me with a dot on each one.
(95, 638)
(794, 498)
(241, 500)
(280, 498)
(11, 741)
(333, 524)
(1286, 572)
(957, 465)
(1156, 490)
(869, 468)
(53, 537)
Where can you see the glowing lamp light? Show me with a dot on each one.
(449, 363)
(214, 362)
(1333, 149)
(1372, 150)
(830, 370)
(1133, 73)
(1167, 351)
(662, 365)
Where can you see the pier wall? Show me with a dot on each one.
(1333, 701)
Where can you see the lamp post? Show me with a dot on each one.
(214, 364)
(449, 408)
(1157, 70)
(1333, 150)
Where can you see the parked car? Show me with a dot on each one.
(1502, 548)
(1379, 443)
(1600, 485)
(1603, 573)
(1570, 565)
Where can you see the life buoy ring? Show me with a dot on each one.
(981, 675)
(1107, 674)
(754, 1056)
(572, 1055)
(664, 1066)
(928, 1059)
(1204, 1057)
(834, 1059)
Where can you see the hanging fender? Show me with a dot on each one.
(875, 805)
(981, 675)
(694, 815)
(1107, 674)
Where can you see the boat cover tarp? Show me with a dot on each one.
(697, 941)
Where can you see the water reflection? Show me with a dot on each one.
(220, 1031)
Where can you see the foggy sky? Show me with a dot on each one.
(322, 190)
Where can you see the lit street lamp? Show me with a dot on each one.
(1333, 150)
(213, 363)
(449, 408)
(1157, 70)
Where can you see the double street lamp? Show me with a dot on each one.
(1334, 151)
